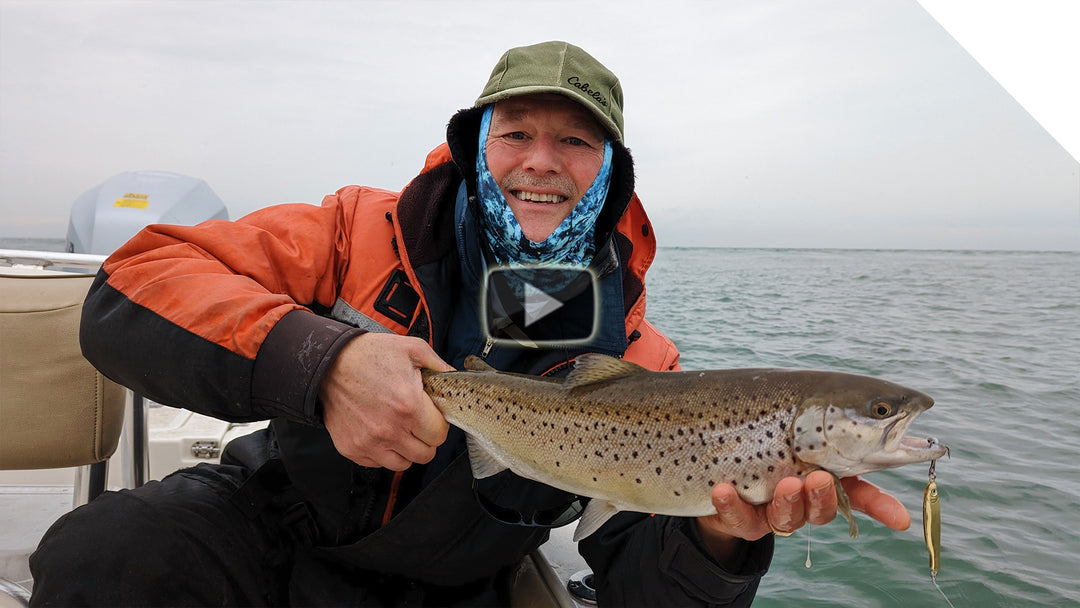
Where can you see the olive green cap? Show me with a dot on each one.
(558, 67)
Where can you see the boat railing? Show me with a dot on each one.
(51, 260)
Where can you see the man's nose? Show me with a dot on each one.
(543, 157)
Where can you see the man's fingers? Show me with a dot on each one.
(870, 499)
(735, 516)
(786, 511)
(821, 494)
(431, 427)
(423, 357)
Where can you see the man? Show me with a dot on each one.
(359, 493)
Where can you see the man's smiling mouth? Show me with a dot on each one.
(536, 197)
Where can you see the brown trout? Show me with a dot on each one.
(656, 442)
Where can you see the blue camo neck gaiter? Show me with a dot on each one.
(572, 241)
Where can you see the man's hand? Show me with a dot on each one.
(374, 405)
(794, 504)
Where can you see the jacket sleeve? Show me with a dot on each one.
(642, 560)
(215, 318)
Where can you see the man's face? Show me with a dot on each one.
(544, 151)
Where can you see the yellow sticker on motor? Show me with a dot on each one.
(133, 200)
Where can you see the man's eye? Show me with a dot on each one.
(576, 141)
(515, 135)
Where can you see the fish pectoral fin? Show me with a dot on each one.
(476, 364)
(482, 462)
(591, 368)
(596, 513)
(843, 505)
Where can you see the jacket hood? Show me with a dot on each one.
(462, 134)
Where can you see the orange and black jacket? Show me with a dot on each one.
(241, 320)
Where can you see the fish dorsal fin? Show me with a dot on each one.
(596, 513)
(591, 368)
(482, 462)
(476, 364)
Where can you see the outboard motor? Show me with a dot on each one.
(105, 217)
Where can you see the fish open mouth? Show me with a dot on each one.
(913, 449)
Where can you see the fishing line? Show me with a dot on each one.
(933, 577)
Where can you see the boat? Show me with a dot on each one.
(134, 440)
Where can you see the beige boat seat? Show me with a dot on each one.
(56, 410)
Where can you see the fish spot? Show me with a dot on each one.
(693, 458)
(818, 429)
(771, 468)
(769, 434)
(689, 477)
(676, 462)
(657, 470)
(677, 493)
(594, 479)
(558, 464)
(738, 460)
(754, 477)
(759, 455)
(637, 479)
(780, 453)
(715, 460)
(633, 454)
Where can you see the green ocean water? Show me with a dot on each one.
(994, 337)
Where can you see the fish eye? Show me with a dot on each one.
(881, 409)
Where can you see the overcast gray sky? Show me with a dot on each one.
(832, 123)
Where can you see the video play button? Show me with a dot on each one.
(540, 306)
